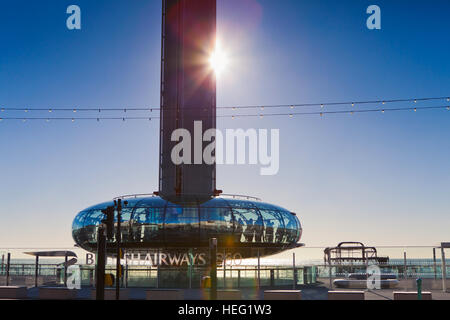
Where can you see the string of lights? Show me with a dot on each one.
(242, 107)
(290, 115)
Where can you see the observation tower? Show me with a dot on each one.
(188, 210)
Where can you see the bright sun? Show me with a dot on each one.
(218, 60)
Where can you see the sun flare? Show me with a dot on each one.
(218, 60)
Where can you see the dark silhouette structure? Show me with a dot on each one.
(352, 252)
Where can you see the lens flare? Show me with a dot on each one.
(218, 60)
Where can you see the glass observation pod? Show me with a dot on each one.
(247, 224)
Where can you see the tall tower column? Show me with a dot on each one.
(188, 95)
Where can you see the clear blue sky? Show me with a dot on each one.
(380, 179)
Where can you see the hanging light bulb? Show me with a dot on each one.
(26, 110)
(292, 107)
(74, 110)
(48, 120)
(73, 120)
(50, 110)
(291, 116)
(353, 104)
(322, 106)
(415, 109)
(382, 111)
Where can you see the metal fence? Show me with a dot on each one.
(292, 269)
(153, 277)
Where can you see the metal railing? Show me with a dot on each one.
(225, 195)
(153, 277)
(406, 263)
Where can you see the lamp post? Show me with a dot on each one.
(213, 265)
(118, 205)
(444, 245)
(8, 265)
(101, 259)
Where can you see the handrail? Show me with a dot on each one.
(151, 195)
(135, 196)
(239, 196)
